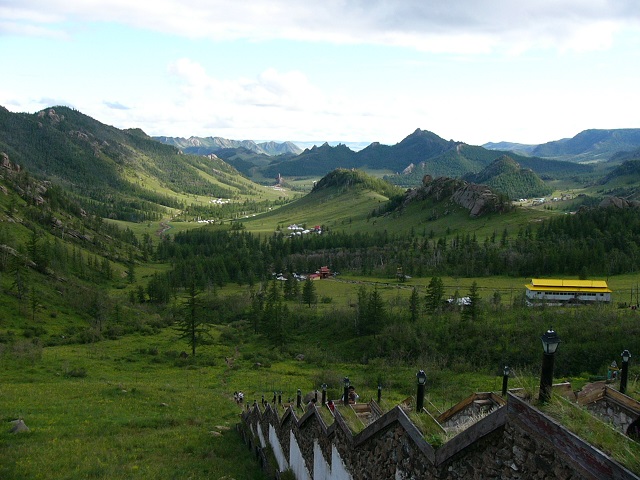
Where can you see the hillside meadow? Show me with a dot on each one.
(132, 408)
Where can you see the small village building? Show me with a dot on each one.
(552, 291)
(325, 272)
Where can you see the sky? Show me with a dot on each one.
(337, 70)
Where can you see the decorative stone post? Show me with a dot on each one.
(422, 380)
(345, 398)
(505, 379)
(624, 374)
(550, 342)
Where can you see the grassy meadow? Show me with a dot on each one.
(132, 408)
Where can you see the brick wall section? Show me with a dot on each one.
(514, 442)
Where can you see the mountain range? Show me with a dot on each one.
(130, 175)
(208, 145)
(420, 153)
(587, 146)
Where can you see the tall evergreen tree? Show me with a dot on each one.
(275, 315)
(309, 295)
(192, 326)
(435, 295)
(414, 305)
(472, 310)
(376, 313)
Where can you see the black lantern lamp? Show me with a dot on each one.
(324, 393)
(550, 342)
(422, 380)
(624, 374)
(346, 390)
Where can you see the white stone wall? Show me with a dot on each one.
(321, 468)
(277, 449)
(338, 469)
(263, 442)
(296, 460)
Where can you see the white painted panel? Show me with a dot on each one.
(277, 449)
(338, 470)
(321, 469)
(263, 442)
(296, 460)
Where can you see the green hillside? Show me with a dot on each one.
(505, 175)
(468, 159)
(133, 304)
(591, 145)
(121, 174)
(342, 199)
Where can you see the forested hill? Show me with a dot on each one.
(119, 173)
(623, 156)
(622, 181)
(591, 144)
(505, 175)
(342, 178)
(468, 159)
(316, 161)
(420, 153)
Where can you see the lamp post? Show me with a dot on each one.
(624, 374)
(345, 398)
(505, 379)
(550, 342)
(299, 399)
(324, 393)
(422, 380)
(379, 394)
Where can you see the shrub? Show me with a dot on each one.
(78, 372)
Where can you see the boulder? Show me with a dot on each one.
(18, 426)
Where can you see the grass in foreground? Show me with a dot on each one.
(596, 432)
(119, 410)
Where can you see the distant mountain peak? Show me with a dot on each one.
(207, 145)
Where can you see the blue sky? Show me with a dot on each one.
(350, 71)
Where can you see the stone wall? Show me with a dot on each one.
(515, 441)
(615, 407)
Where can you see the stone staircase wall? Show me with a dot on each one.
(514, 441)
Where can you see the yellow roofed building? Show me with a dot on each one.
(557, 291)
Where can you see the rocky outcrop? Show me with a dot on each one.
(50, 114)
(619, 202)
(477, 199)
(7, 164)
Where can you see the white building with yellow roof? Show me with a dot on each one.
(560, 291)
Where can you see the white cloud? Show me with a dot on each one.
(459, 26)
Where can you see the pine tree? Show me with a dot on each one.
(414, 305)
(435, 295)
(275, 315)
(376, 312)
(193, 325)
(472, 310)
(309, 295)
